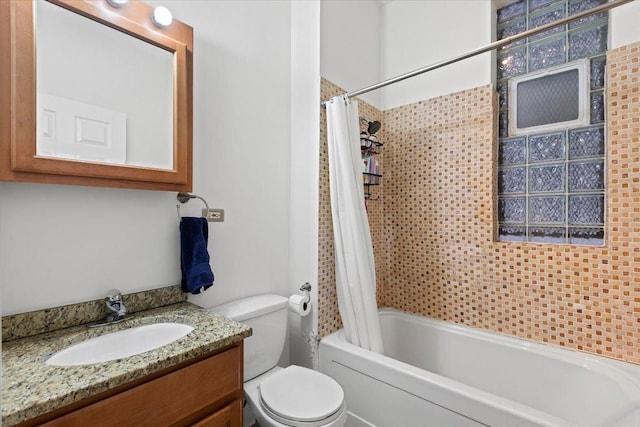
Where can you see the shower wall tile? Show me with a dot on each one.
(441, 252)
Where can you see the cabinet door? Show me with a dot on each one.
(167, 400)
(229, 416)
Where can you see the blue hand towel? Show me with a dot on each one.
(194, 257)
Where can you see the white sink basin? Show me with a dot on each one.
(121, 344)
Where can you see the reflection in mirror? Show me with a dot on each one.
(102, 95)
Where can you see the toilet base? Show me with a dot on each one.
(252, 395)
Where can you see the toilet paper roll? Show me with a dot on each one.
(299, 304)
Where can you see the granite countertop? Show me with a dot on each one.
(31, 388)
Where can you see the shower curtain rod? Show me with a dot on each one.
(603, 7)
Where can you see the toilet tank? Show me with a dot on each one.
(267, 316)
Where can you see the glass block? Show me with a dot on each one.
(586, 236)
(535, 4)
(512, 28)
(586, 176)
(503, 124)
(512, 63)
(597, 107)
(587, 142)
(598, 67)
(548, 209)
(512, 209)
(512, 151)
(547, 235)
(503, 94)
(510, 11)
(577, 6)
(546, 147)
(546, 53)
(546, 178)
(511, 180)
(587, 42)
(511, 234)
(547, 16)
(586, 209)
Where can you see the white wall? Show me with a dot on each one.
(624, 27)
(420, 33)
(65, 244)
(350, 34)
(305, 164)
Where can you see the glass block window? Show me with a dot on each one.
(551, 183)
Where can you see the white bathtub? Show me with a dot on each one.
(439, 374)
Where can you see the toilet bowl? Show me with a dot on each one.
(296, 397)
(281, 397)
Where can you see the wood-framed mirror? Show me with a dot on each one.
(37, 111)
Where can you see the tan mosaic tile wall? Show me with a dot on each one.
(328, 315)
(437, 253)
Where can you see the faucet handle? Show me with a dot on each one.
(114, 295)
(114, 302)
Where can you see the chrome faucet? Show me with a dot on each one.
(116, 311)
(115, 306)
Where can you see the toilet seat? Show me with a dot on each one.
(301, 397)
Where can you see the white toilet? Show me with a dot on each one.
(281, 397)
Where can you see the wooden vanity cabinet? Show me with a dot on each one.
(206, 393)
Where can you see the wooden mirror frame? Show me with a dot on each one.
(18, 158)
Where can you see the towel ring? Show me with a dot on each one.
(185, 197)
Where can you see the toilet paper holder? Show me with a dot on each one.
(306, 288)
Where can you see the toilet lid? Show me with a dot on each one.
(299, 396)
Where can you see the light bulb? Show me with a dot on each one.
(161, 16)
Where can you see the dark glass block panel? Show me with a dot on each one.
(546, 178)
(512, 234)
(547, 16)
(586, 209)
(512, 28)
(503, 94)
(511, 180)
(512, 63)
(503, 124)
(586, 142)
(577, 6)
(586, 176)
(547, 235)
(545, 147)
(512, 210)
(546, 209)
(597, 107)
(546, 53)
(584, 43)
(511, 10)
(535, 4)
(548, 99)
(598, 67)
(586, 236)
(512, 151)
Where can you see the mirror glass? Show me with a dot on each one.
(102, 95)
